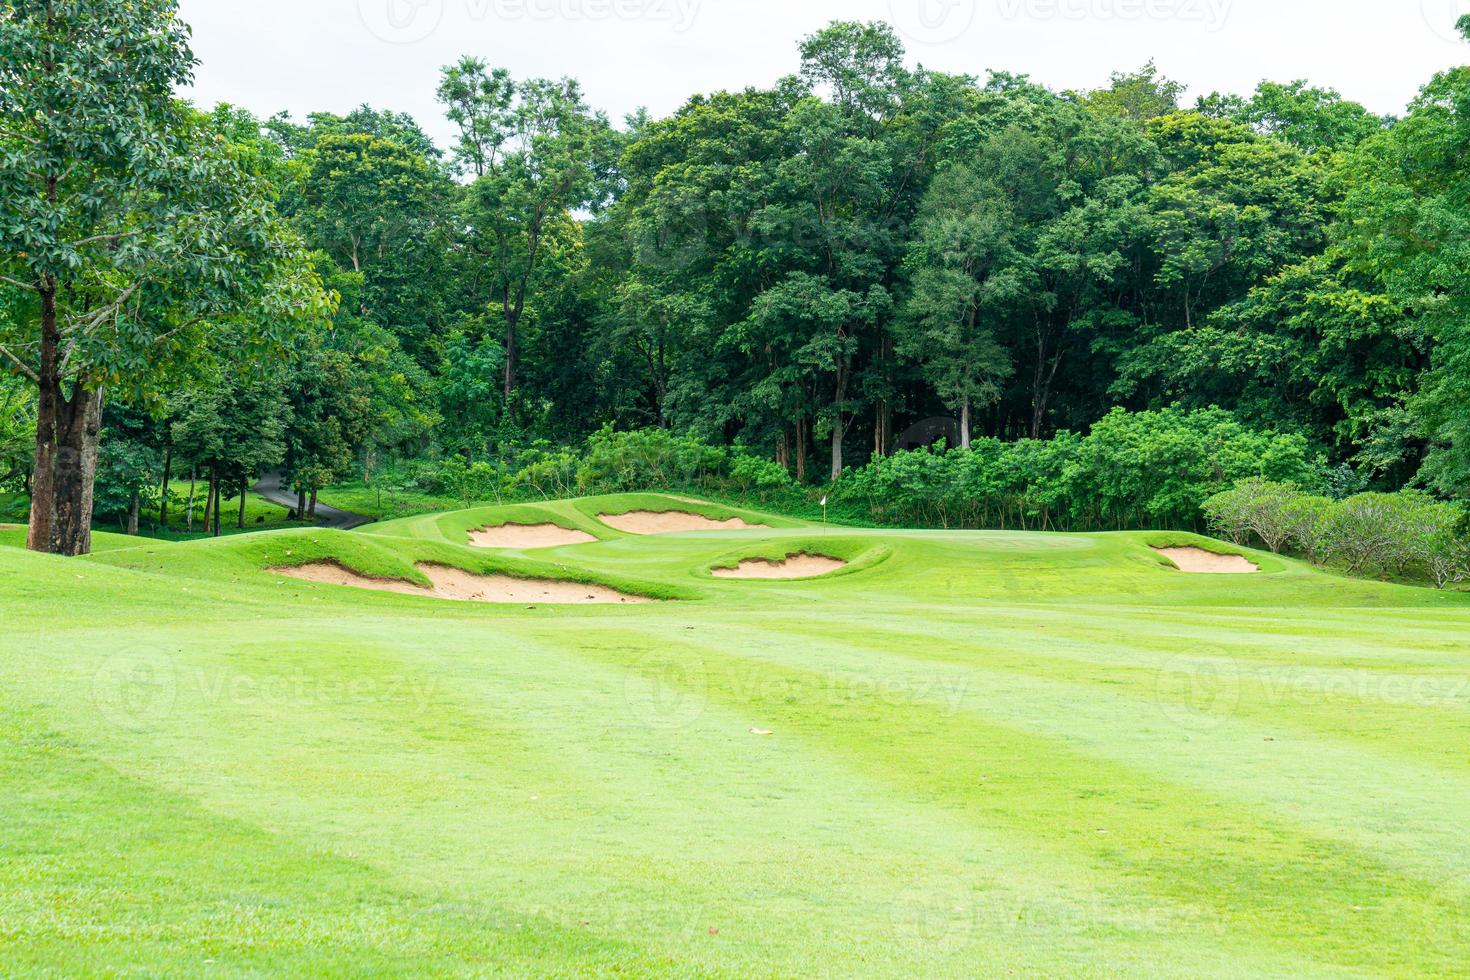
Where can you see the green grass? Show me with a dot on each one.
(992, 752)
(384, 504)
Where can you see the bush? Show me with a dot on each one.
(1257, 507)
(1144, 470)
(647, 459)
(1387, 533)
(1304, 526)
(470, 483)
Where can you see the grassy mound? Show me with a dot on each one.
(988, 753)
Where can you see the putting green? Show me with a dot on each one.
(988, 752)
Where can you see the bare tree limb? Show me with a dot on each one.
(21, 366)
(20, 285)
(106, 238)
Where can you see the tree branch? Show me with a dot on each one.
(106, 238)
(20, 365)
(32, 287)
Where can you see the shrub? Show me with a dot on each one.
(1228, 513)
(470, 483)
(1143, 470)
(647, 459)
(753, 474)
(1254, 506)
(1367, 531)
(1304, 525)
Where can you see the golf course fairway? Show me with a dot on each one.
(958, 754)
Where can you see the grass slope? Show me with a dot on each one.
(992, 752)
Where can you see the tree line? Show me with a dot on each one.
(803, 270)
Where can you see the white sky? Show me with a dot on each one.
(307, 55)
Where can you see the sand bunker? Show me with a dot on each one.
(526, 537)
(1198, 561)
(795, 566)
(673, 522)
(461, 586)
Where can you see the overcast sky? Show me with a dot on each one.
(308, 55)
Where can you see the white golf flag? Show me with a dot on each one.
(824, 501)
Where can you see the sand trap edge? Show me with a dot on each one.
(796, 567)
(652, 522)
(527, 537)
(458, 585)
(1197, 561)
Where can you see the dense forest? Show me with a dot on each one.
(865, 258)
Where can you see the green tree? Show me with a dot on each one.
(540, 154)
(1311, 119)
(129, 225)
(965, 276)
(1140, 96)
(1407, 224)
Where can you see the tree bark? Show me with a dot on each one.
(168, 473)
(74, 471)
(801, 451)
(133, 514)
(301, 503)
(243, 481)
(965, 425)
(215, 481)
(208, 498)
(511, 324)
(311, 511)
(838, 433)
(193, 484)
(883, 430)
(38, 537)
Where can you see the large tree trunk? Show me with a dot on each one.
(243, 483)
(965, 425)
(133, 514)
(311, 512)
(77, 433)
(38, 537)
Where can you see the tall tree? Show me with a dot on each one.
(1406, 222)
(964, 278)
(540, 154)
(129, 224)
